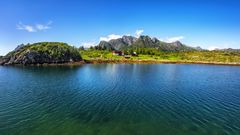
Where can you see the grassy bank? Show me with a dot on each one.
(201, 57)
(196, 57)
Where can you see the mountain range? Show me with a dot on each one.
(145, 42)
(57, 52)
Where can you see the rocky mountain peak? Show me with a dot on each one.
(129, 39)
(155, 40)
(144, 41)
(177, 43)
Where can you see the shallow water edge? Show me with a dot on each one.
(102, 61)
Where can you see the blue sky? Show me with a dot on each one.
(205, 23)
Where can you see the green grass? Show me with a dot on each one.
(194, 56)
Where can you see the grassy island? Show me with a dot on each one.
(42, 53)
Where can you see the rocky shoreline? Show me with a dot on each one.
(101, 61)
(40, 53)
(155, 62)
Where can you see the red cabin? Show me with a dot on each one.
(118, 53)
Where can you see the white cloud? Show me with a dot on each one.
(138, 33)
(174, 39)
(110, 37)
(44, 27)
(161, 39)
(223, 45)
(212, 48)
(88, 44)
(171, 39)
(34, 28)
(28, 28)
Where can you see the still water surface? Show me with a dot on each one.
(120, 99)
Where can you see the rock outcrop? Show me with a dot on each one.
(118, 44)
(144, 42)
(41, 53)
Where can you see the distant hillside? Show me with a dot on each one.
(1, 57)
(228, 50)
(144, 42)
(40, 53)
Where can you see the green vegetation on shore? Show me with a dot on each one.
(152, 49)
(152, 54)
(60, 53)
(40, 53)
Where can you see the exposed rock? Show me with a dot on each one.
(129, 40)
(104, 44)
(118, 44)
(144, 42)
(155, 40)
(18, 47)
(40, 53)
(199, 48)
(177, 43)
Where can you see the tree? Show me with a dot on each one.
(91, 48)
(81, 48)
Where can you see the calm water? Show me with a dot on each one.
(120, 100)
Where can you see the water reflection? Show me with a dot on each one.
(120, 99)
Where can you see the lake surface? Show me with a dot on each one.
(113, 99)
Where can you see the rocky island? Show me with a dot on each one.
(42, 53)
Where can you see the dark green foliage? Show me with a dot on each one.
(56, 50)
(44, 52)
(101, 48)
(155, 54)
(81, 48)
